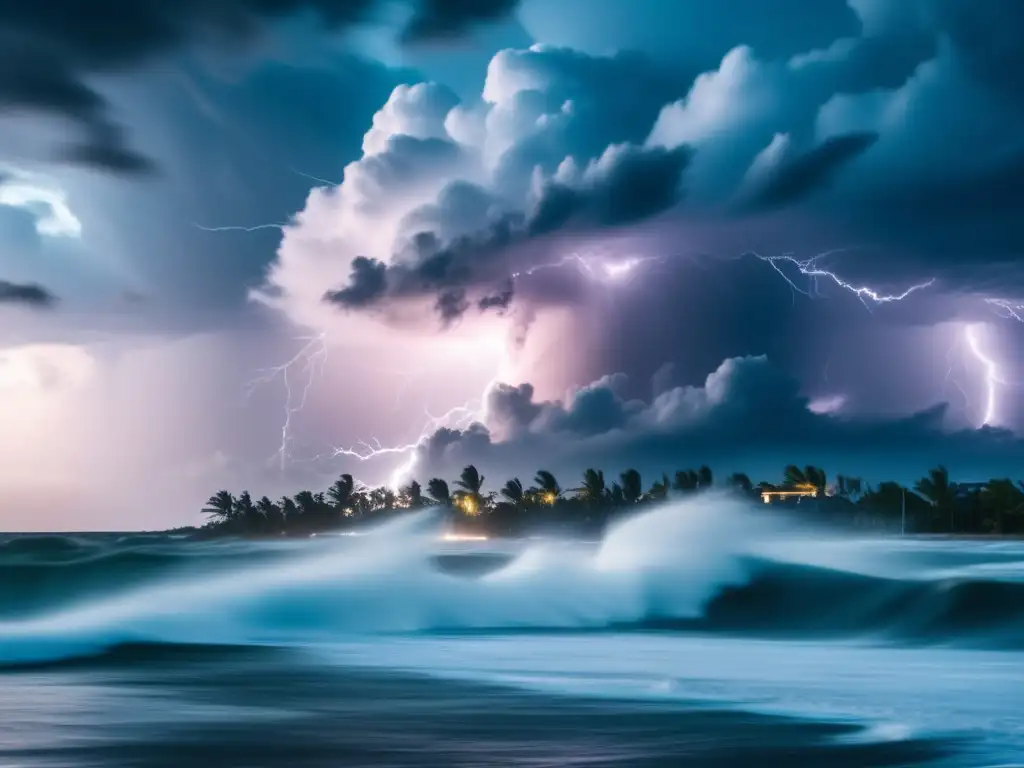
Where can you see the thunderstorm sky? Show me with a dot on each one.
(252, 248)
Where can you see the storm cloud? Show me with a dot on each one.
(49, 54)
(748, 415)
(30, 295)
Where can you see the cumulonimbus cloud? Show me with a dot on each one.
(455, 202)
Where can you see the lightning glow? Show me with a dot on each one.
(867, 296)
(310, 360)
(608, 271)
(602, 270)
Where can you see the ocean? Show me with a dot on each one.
(701, 633)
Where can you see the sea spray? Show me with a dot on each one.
(708, 563)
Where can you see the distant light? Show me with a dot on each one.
(462, 537)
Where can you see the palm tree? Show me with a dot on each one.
(514, 493)
(506, 513)
(305, 501)
(270, 512)
(632, 486)
(809, 475)
(615, 495)
(340, 492)
(547, 489)
(686, 481)
(939, 491)
(245, 510)
(289, 511)
(221, 505)
(469, 484)
(659, 490)
(412, 495)
(738, 481)
(705, 478)
(1004, 500)
(593, 490)
(437, 489)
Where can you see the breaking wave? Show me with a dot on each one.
(706, 565)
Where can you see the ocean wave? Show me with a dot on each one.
(708, 565)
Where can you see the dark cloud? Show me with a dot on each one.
(747, 415)
(451, 305)
(27, 294)
(625, 185)
(106, 151)
(366, 285)
(499, 301)
(48, 51)
(445, 19)
(802, 176)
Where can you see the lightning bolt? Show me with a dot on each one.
(1005, 308)
(254, 228)
(460, 417)
(868, 296)
(991, 372)
(310, 360)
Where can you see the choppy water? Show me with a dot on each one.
(696, 634)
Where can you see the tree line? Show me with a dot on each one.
(934, 504)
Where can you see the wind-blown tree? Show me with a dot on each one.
(809, 475)
(412, 496)
(884, 505)
(288, 509)
(685, 481)
(937, 489)
(513, 493)
(705, 477)
(469, 495)
(271, 518)
(1004, 503)
(507, 513)
(341, 491)
(547, 490)
(308, 509)
(221, 505)
(849, 488)
(593, 490)
(616, 497)
(437, 489)
(741, 483)
(632, 486)
(659, 489)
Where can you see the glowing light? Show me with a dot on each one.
(467, 504)
(991, 372)
(809, 267)
(548, 498)
(462, 537)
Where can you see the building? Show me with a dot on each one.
(796, 492)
